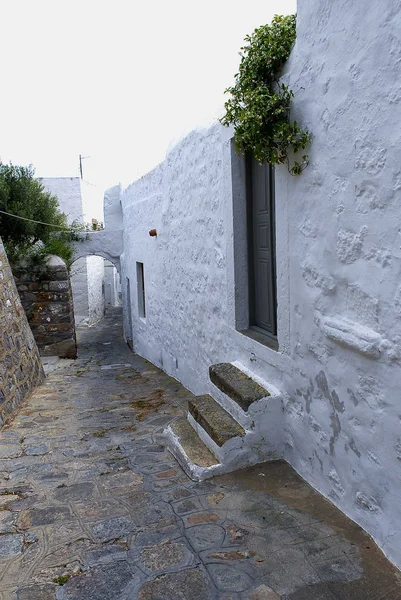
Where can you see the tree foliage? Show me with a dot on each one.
(23, 195)
(259, 106)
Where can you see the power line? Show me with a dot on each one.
(33, 221)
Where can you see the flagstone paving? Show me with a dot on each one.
(93, 506)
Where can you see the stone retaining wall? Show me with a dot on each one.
(20, 367)
(47, 299)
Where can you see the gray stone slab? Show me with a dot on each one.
(203, 537)
(46, 591)
(77, 492)
(219, 425)
(36, 450)
(11, 545)
(321, 591)
(114, 528)
(185, 585)
(158, 535)
(115, 366)
(105, 554)
(49, 363)
(6, 499)
(165, 557)
(157, 513)
(192, 504)
(47, 516)
(7, 522)
(178, 493)
(10, 450)
(340, 568)
(193, 446)
(263, 592)
(237, 385)
(153, 448)
(106, 582)
(228, 578)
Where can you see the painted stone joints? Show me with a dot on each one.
(20, 366)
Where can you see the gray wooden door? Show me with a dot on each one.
(129, 314)
(262, 247)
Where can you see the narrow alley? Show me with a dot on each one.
(92, 505)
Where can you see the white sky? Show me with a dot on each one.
(117, 80)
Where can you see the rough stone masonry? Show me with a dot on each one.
(46, 296)
(20, 367)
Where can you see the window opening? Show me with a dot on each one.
(140, 278)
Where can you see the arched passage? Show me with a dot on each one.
(107, 244)
(95, 286)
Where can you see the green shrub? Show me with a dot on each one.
(259, 107)
(32, 239)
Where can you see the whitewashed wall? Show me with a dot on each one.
(338, 264)
(343, 426)
(92, 201)
(112, 286)
(68, 192)
(95, 269)
(79, 284)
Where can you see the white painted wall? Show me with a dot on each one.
(338, 264)
(79, 284)
(344, 254)
(92, 201)
(68, 192)
(95, 268)
(112, 286)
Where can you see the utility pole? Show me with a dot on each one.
(81, 158)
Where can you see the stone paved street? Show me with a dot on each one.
(93, 507)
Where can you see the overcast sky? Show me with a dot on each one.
(119, 81)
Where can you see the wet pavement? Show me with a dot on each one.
(93, 507)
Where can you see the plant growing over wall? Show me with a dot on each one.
(259, 107)
(31, 223)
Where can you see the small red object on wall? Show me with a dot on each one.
(153, 233)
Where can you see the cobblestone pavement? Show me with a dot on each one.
(93, 507)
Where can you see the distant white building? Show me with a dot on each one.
(77, 199)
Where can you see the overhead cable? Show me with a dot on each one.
(33, 221)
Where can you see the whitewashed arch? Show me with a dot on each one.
(108, 244)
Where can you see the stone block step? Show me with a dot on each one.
(217, 423)
(236, 384)
(193, 447)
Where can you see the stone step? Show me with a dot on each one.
(238, 386)
(192, 445)
(196, 459)
(217, 423)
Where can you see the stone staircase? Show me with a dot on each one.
(238, 425)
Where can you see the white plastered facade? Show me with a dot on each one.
(338, 249)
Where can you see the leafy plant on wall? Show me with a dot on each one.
(31, 224)
(259, 106)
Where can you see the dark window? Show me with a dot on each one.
(140, 278)
(261, 246)
(129, 313)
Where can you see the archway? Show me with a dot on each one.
(107, 244)
(95, 286)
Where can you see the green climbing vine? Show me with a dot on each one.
(259, 106)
